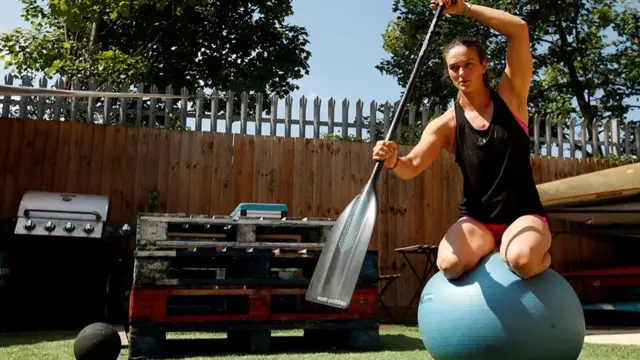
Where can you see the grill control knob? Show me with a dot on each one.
(126, 229)
(88, 228)
(49, 226)
(29, 225)
(69, 227)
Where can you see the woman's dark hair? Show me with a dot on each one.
(470, 42)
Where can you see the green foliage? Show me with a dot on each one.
(580, 72)
(229, 45)
(410, 134)
(64, 40)
(619, 159)
(154, 202)
(174, 124)
(339, 137)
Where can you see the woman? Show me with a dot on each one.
(487, 132)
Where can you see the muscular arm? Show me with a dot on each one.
(516, 79)
(436, 135)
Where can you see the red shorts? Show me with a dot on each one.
(497, 230)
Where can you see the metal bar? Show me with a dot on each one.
(27, 212)
(13, 90)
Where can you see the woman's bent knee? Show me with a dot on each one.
(524, 263)
(525, 247)
(464, 244)
(452, 266)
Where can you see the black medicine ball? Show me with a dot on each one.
(97, 341)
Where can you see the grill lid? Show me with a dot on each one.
(64, 214)
(40, 204)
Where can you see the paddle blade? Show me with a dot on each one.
(338, 269)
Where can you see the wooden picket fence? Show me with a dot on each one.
(258, 114)
(195, 172)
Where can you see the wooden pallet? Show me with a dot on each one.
(239, 264)
(149, 341)
(241, 276)
(175, 230)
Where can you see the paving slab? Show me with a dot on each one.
(618, 336)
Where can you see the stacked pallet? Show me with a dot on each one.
(244, 276)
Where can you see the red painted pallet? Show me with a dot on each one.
(613, 277)
(615, 272)
(180, 304)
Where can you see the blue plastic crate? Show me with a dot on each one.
(268, 210)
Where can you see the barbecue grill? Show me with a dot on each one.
(67, 265)
(70, 215)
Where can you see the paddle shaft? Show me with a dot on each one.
(409, 90)
(339, 265)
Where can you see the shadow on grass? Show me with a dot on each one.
(34, 337)
(398, 343)
(186, 348)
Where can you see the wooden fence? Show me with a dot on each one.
(210, 173)
(244, 113)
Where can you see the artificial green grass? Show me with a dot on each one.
(397, 343)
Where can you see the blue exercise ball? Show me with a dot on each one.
(491, 313)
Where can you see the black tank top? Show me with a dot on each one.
(498, 183)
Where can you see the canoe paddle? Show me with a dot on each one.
(338, 269)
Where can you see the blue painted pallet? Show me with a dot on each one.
(633, 306)
(150, 340)
(235, 266)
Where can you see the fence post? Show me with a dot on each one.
(560, 137)
(386, 119)
(605, 132)
(548, 143)
(615, 136)
(259, 104)
(316, 117)
(627, 139)
(373, 119)
(199, 109)
(345, 117)
(152, 107)
(583, 137)
(229, 115)
(359, 110)
(168, 112)
(572, 138)
(274, 114)
(26, 81)
(594, 139)
(638, 139)
(536, 135)
(412, 123)
(303, 117)
(6, 102)
(331, 109)
(139, 105)
(43, 83)
(215, 108)
(288, 103)
(123, 106)
(244, 108)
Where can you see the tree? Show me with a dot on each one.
(242, 45)
(585, 55)
(231, 45)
